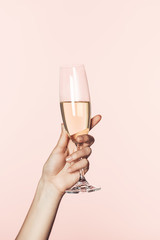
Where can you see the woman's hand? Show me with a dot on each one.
(62, 167)
(57, 176)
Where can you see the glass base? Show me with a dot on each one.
(82, 186)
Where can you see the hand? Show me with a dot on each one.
(58, 175)
(64, 174)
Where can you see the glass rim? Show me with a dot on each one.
(71, 65)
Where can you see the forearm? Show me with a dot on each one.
(41, 215)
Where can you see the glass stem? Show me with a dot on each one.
(82, 178)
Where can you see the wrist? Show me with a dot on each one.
(49, 188)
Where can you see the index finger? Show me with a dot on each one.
(95, 120)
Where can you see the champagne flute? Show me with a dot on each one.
(75, 110)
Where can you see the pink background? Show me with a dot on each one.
(119, 44)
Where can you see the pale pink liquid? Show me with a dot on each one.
(76, 117)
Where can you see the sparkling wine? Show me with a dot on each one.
(74, 100)
(76, 117)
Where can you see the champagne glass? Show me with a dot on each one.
(75, 110)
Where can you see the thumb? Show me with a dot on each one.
(63, 140)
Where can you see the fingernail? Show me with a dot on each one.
(69, 158)
(69, 170)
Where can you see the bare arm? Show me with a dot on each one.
(57, 176)
(41, 215)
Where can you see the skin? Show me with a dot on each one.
(60, 172)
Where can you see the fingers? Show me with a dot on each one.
(95, 120)
(63, 140)
(83, 163)
(82, 153)
(86, 140)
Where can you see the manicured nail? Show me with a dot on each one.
(69, 158)
(69, 170)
